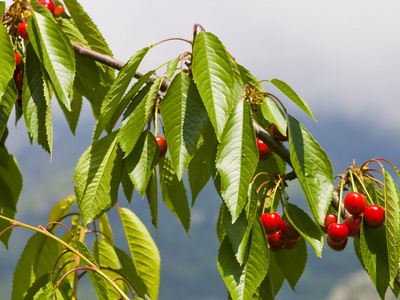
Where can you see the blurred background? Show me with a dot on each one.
(342, 57)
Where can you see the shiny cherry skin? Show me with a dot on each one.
(353, 224)
(329, 219)
(289, 232)
(338, 232)
(48, 3)
(22, 31)
(336, 246)
(355, 203)
(263, 151)
(277, 134)
(58, 11)
(162, 144)
(272, 222)
(276, 241)
(17, 60)
(374, 216)
(290, 244)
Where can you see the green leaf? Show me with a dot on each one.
(152, 198)
(374, 254)
(237, 158)
(7, 60)
(293, 262)
(313, 169)
(107, 257)
(171, 67)
(292, 95)
(61, 209)
(306, 227)
(117, 91)
(55, 52)
(184, 116)
(275, 275)
(273, 114)
(2, 6)
(243, 280)
(48, 292)
(36, 101)
(202, 164)
(127, 184)
(392, 221)
(39, 255)
(72, 116)
(214, 78)
(144, 251)
(174, 193)
(248, 78)
(95, 190)
(6, 105)
(97, 280)
(142, 160)
(136, 116)
(11, 186)
(265, 291)
(105, 229)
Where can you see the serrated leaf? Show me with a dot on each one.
(72, 116)
(142, 160)
(127, 184)
(61, 209)
(144, 251)
(36, 101)
(55, 52)
(152, 198)
(171, 67)
(374, 254)
(11, 186)
(7, 60)
(273, 114)
(214, 78)
(184, 116)
(105, 229)
(202, 164)
(95, 190)
(107, 257)
(292, 95)
(117, 91)
(39, 256)
(237, 158)
(248, 78)
(275, 275)
(392, 222)
(6, 105)
(293, 262)
(310, 231)
(136, 116)
(97, 280)
(48, 292)
(313, 169)
(243, 280)
(174, 193)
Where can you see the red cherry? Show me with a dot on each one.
(22, 31)
(58, 11)
(290, 244)
(48, 3)
(338, 232)
(19, 78)
(336, 246)
(277, 134)
(272, 222)
(162, 144)
(329, 219)
(276, 241)
(374, 216)
(17, 60)
(355, 203)
(263, 151)
(289, 232)
(353, 224)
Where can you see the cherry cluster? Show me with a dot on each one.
(356, 204)
(280, 235)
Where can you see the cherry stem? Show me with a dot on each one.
(172, 39)
(274, 194)
(342, 183)
(156, 121)
(364, 188)
(127, 284)
(353, 186)
(10, 227)
(72, 271)
(63, 225)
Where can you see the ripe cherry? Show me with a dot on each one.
(353, 224)
(22, 31)
(48, 3)
(338, 232)
(17, 60)
(277, 134)
(162, 144)
(58, 11)
(289, 232)
(329, 219)
(276, 241)
(355, 203)
(272, 222)
(19, 78)
(336, 246)
(374, 216)
(263, 151)
(290, 244)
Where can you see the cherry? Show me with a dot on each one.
(329, 219)
(263, 151)
(338, 232)
(289, 232)
(162, 144)
(17, 60)
(374, 216)
(19, 78)
(336, 246)
(290, 244)
(22, 31)
(277, 134)
(272, 222)
(276, 241)
(355, 203)
(48, 3)
(58, 11)
(353, 224)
